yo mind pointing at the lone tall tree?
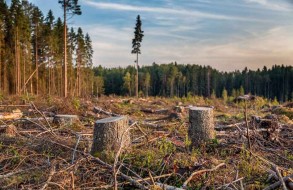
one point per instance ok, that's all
(70, 7)
(138, 35)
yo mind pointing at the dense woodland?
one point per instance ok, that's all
(184, 80)
(31, 62)
(31, 53)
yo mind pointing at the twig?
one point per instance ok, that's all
(154, 177)
(280, 177)
(139, 128)
(52, 172)
(77, 142)
(151, 177)
(100, 110)
(247, 127)
(228, 184)
(72, 180)
(200, 172)
(43, 117)
(241, 185)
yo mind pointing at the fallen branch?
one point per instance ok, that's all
(280, 177)
(99, 161)
(52, 172)
(149, 110)
(277, 184)
(168, 187)
(44, 118)
(77, 142)
(17, 172)
(200, 172)
(100, 110)
(228, 184)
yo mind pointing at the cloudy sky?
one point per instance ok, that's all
(226, 34)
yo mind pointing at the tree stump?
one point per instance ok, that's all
(110, 134)
(201, 125)
(65, 119)
(9, 130)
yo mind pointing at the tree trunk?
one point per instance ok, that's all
(136, 81)
(201, 127)
(65, 50)
(110, 134)
(36, 61)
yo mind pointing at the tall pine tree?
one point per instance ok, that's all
(69, 7)
(136, 44)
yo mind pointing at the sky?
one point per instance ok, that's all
(225, 34)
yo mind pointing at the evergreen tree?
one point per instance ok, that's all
(69, 7)
(37, 20)
(147, 82)
(136, 44)
(127, 83)
(225, 95)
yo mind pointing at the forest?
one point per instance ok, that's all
(170, 80)
(32, 51)
(31, 62)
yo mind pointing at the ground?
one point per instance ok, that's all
(39, 153)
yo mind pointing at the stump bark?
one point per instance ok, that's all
(110, 134)
(201, 125)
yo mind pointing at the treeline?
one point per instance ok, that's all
(178, 80)
(32, 49)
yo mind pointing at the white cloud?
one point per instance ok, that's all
(274, 46)
(161, 10)
(277, 6)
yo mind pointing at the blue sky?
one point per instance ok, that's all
(226, 34)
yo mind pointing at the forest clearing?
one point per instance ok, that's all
(208, 105)
(40, 151)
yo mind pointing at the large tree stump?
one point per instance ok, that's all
(201, 125)
(110, 134)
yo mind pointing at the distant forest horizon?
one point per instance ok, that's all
(181, 80)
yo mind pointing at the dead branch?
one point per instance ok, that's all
(77, 142)
(200, 172)
(280, 177)
(34, 106)
(168, 187)
(19, 171)
(52, 172)
(228, 184)
(277, 184)
(149, 110)
(99, 161)
(100, 110)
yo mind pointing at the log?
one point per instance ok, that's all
(100, 110)
(16, 114)
(201, 125)
(110, 134)
(65, 119)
